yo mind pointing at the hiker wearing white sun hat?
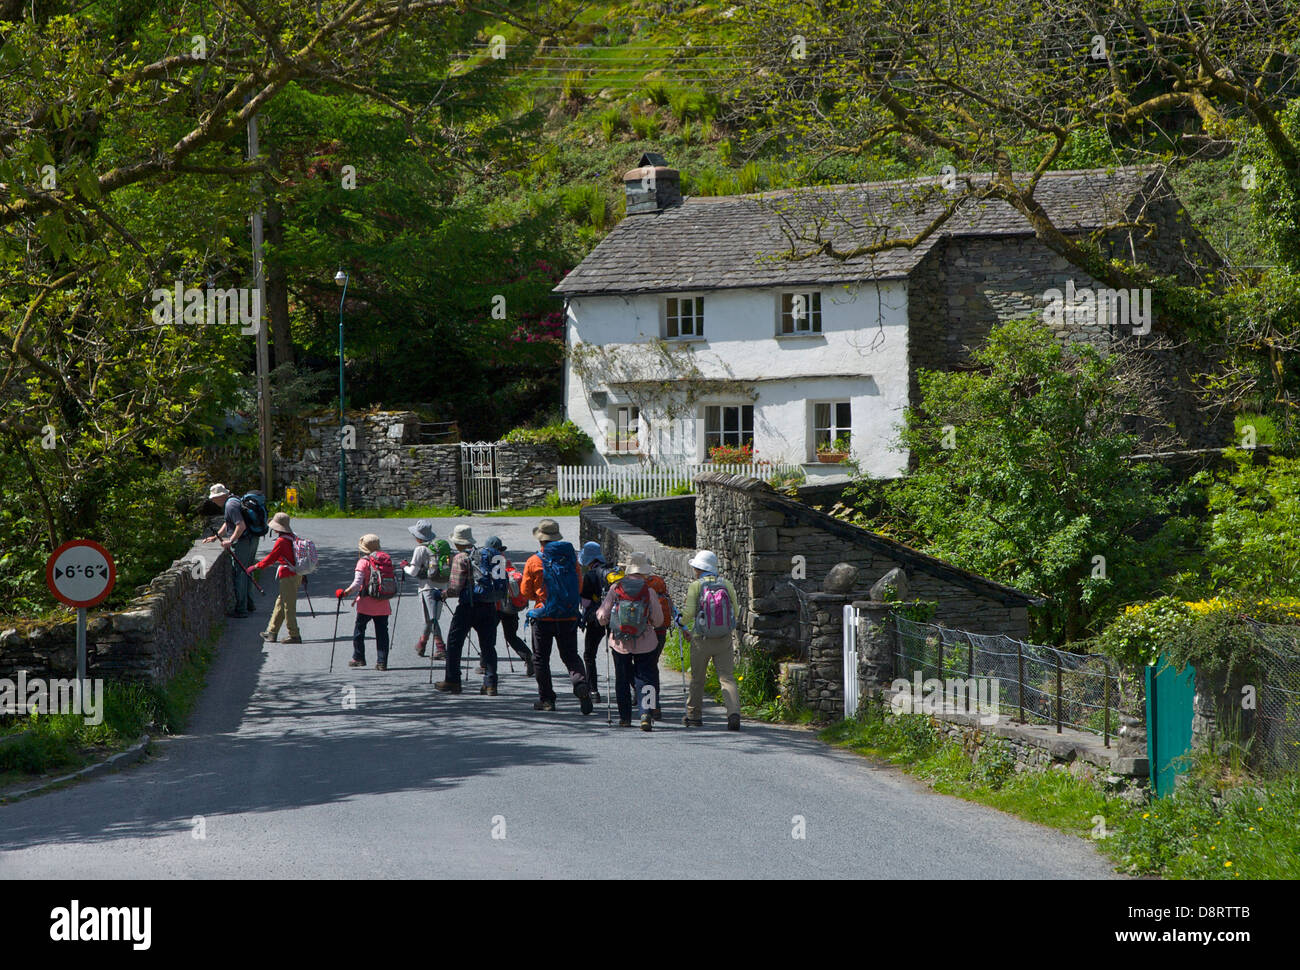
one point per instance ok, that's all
(710, 611)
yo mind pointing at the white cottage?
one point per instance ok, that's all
(691, 326)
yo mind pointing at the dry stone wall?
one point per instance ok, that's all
(147, 641)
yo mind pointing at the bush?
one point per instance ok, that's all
(603, 496)
(570, 442)
(646, 127)
(1213, 634)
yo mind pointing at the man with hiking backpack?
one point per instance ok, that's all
(478, 581)
(552, 580)
(245, 517)
(430, 561)
(710, 611)
(508, 608)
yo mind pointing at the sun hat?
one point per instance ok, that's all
(462, 535)
(368, 542)
(638, 564)
(591, 552)
(705, 561)
(548, 530)
(218, 491)
(422, 530)
(279, 522)
(494, 542)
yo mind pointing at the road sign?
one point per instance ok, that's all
(80, 573)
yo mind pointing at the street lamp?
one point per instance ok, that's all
(341, 278)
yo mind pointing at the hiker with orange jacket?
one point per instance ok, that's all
(553, 580)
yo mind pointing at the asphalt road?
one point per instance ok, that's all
(282, 780)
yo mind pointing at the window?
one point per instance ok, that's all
(685, 316)
(831, 420)
(801, 313)
(625, 431)
(728, 424)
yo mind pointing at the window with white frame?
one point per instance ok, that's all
(731, 425)
(684, 316)
(832, 420)
(801, 313)
(625, 428)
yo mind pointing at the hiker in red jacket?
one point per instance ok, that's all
(286, 602)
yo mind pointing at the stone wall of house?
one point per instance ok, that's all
(146, 641)
(757, 532)
(966, 285)
(388, 467)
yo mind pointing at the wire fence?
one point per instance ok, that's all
(1259, 710)
(1031, 683)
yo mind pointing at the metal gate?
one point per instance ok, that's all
(1170, 695)
(850, 660)
(480, 486)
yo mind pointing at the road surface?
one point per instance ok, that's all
(282, 780)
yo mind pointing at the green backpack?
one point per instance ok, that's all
(440, 562)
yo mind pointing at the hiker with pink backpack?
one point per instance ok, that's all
(376, 583)
(710, 611)
(295, 557)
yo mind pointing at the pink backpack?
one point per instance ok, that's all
(716, 617)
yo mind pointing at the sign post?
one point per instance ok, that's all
(80, 574)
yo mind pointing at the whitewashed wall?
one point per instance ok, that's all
(860, 355)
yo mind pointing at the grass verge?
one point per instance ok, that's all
(34, 744)
(1248, 832)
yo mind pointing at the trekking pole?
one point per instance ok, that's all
(338, 600)
(308, 595)
(400, 584)
(677, 618)
(231, 550)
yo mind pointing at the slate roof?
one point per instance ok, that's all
(739, 241)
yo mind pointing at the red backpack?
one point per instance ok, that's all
(381, 581)
(629, 616)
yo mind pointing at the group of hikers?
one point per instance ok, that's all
(625, 605)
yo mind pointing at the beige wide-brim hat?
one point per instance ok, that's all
(638, 564)
(218, 491)
(368, 542)
(279, 522)
(462, 535)
(548, 530)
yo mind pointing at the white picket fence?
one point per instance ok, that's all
(577, 482)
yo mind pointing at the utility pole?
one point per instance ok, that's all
(263, 353)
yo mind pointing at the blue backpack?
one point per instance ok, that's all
(253, 508)
(560, 576)
(491, 582)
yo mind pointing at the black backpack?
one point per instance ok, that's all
(253, 507)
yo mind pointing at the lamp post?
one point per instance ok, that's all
(341, 278)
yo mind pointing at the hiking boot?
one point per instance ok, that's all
(293, 639)
(381, 666)
(692, 722)
(440, 653)
(733, 722)
(490, 691)
(356, 663)
(647, 722)
(584, 697)
(448, 687)
(419, 646)
(543, 705)
(625, 722)
(268, 637)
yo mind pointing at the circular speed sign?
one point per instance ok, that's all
(80, 573)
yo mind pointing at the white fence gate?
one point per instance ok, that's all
(480, 484)
(576, 482)
(850, 660)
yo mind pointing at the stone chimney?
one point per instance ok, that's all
(653, 186)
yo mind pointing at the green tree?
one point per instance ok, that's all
(1024, 473)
